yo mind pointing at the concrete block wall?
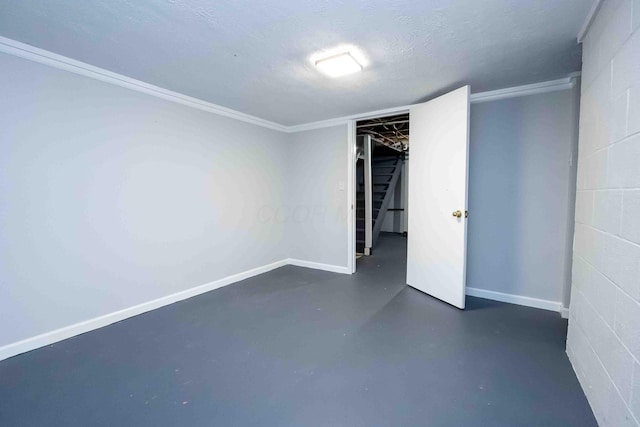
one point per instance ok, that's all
(603, 341)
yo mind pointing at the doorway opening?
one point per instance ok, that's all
(381, 182)
(436, 193)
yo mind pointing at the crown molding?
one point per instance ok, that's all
(45, 57)
(494, 95)
(42, 56)
(345, 119)
(532, 89)
(318, 125)
(591, 16)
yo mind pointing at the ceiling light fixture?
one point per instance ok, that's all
(338, 65)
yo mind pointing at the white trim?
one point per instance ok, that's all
(51, 337)
(319, 266)
(525, 90)
(494, 95)
(66, 332)
(42, 56)
(516, 299)
(317, 125)
(351, 191)
(591, 16)
(346, 119)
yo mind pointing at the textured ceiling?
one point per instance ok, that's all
(253, 56)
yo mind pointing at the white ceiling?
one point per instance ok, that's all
(253, 56)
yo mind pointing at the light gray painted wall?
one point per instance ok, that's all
(519, 194)
(603, 341)
(316, 214)
(110, 198)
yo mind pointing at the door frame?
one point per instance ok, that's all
(351, 176)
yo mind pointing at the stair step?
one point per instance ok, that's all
(361, 218)
(360, 221)
(375, 216)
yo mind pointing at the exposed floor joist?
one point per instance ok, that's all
(391, 131)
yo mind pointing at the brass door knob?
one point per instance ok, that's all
(457, 214)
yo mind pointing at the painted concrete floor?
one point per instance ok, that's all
(299, 347)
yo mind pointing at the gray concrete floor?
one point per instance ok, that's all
(299, 347)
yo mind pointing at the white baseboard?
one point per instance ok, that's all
(47, 338)
(319, 266)
(516, 299)
(54, 336)
(564, 312)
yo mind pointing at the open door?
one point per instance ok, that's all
(437, 238)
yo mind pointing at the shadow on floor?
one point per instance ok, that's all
(299, 347)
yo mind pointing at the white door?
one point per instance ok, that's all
(438, 157)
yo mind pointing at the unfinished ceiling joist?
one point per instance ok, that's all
(390, 131)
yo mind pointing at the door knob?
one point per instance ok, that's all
(457, 214)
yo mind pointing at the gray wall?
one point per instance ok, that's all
(316, 214)
(603, 341)
(110, 198)
(520, 199)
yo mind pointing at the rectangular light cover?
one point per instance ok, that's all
(339, 65)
